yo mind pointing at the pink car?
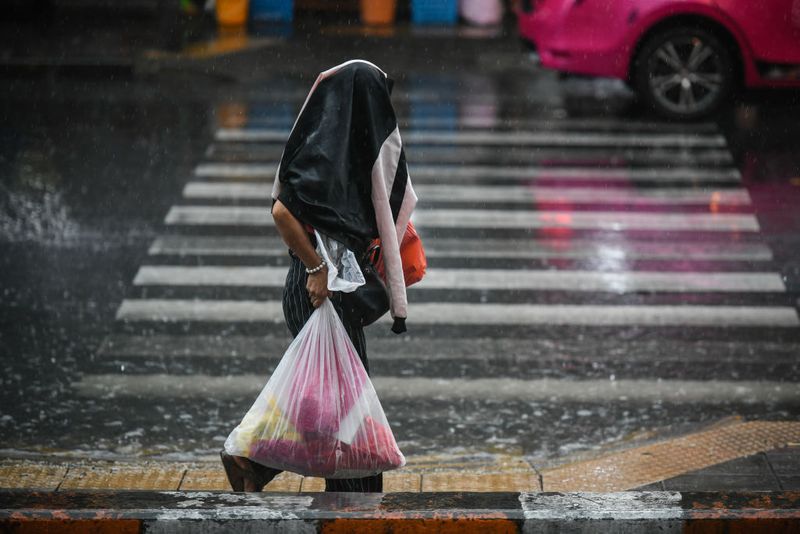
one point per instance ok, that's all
(682, 57)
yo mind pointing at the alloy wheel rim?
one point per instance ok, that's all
(686, 75)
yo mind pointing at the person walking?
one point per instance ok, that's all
(343, 173)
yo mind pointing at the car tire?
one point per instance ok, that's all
(684, 73)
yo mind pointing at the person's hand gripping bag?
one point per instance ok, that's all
(318, 415)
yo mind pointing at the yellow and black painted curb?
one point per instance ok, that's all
(576, 513)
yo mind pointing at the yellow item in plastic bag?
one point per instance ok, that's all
(270, 422)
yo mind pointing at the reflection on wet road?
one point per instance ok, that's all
(588, 278)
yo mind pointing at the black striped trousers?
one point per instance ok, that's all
(297, 309)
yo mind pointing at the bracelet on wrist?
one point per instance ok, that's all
(316, 269)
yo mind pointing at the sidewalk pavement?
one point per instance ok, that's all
(727, 462)
(730, 455)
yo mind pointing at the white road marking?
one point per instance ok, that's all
(396, 388)
(438, 173)
(491, 219)
(236, 170)
(510, 194)
(601, 251)
(584, 220)
(588, 124)
(232, 246)
(231, 311)
(508, 138)
(219, 215)
(547, 351)
(614, 282)
(531, 194)
(490, 279)
(430, 154)
(172, 310)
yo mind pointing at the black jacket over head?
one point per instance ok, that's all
(343, 170)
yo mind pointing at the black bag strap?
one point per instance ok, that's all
(372, 254)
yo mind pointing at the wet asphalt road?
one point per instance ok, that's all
(644, 275)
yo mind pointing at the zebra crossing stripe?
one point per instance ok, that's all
(655, 174)
(206, 346)
(171, 310)
(454, 218)
(397, 388)
(606, 249)
(499, 193)
(584, 220)
(231, 311)
(615, 282)
(441, 172)
(236, 170)
(213, 245)
(280, 100)
(507, 138)
(211, 276)
(227, 190)
(590, 124)
(219, 215)
(488, 248)
(493, 350)
(489, 279)
(512, 155)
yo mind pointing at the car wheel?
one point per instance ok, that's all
(684, 73)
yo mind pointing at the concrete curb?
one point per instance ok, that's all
(211, 512)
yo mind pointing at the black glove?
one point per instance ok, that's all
(399, 325)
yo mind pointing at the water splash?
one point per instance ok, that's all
(32, 208)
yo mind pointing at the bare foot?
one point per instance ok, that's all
(249, 485)
(242, 461)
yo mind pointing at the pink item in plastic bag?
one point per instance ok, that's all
(374, 439)
(318, 415)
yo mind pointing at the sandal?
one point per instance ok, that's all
(259, 474)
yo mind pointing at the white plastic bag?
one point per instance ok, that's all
(319, 414)
(344, 274)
